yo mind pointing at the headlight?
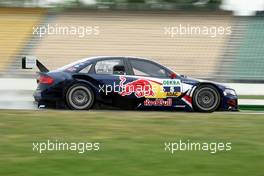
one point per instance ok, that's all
(230, 92)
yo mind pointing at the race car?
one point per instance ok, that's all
(126, 83)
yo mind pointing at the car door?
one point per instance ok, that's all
(112, 81)
(154, 82)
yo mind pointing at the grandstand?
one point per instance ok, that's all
(243, 58)
(141, 33)
(137, 34)
(249, 61)
(16, 29)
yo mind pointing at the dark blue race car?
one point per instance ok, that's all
(127, 83)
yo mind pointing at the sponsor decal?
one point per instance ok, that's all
(158, 102)
(172, 87)
(140, 87)
(75, 67)
(171, 82)
(173, 94)
(179, 106)
(143, 87)
(71, 69)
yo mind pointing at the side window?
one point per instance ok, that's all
(144, 68)
(86, 69)
(106, 66)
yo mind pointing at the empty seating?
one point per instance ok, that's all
(249, 57)
(138, 34)
(15, 30)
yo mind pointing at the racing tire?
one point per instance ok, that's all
(206, 98)
(80, 97)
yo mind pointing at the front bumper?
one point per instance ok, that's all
(230, 103)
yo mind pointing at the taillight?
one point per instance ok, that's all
(45, 80)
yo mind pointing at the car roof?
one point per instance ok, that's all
(97, 58)
(94, 58)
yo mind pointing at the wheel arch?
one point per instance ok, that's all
(75, 85)
(78, 80)
(215, 86)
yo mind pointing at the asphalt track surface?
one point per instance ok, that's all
(17, 100)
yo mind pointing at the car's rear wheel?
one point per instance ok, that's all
(80, 97)
(206, 98)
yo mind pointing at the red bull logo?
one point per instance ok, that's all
(158, 102)
(140, 87)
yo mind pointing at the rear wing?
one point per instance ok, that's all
(30, 62)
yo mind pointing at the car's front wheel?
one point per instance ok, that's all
(80, 97)
(206, 98)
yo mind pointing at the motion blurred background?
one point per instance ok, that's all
(132, 143)
(135, 27)
(138, 28)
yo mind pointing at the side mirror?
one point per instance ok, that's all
(119, 69)
(173, 75)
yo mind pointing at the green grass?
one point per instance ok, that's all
(132, 143)
(258, 97)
